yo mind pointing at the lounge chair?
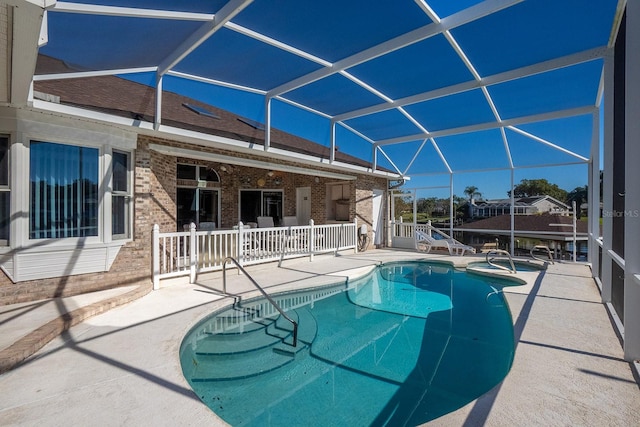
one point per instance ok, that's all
(423, 240)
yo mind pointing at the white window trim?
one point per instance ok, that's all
(128, 195)
(30, 259)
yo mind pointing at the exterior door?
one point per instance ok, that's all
(303, 205)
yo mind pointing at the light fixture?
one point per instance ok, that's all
(316, 179)
(223, 168)
(270, 174)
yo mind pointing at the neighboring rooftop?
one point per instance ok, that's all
(528, 224)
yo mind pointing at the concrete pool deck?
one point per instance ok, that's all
(121, 367)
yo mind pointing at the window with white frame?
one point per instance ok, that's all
(120, 195)
(63, 184)
(5, 194)
(65, 190)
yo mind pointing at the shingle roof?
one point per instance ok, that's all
(105, 94)
(528, 223)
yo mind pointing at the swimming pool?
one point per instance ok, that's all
(404, 345)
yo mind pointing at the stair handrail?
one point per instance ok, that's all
(500, 252)
(541, 248)
(277, 307)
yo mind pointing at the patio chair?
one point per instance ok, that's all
(290, 221)
(423, 240)
(265, 222)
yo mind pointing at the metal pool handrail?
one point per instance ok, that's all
(277, 307)
(541, 248)
(501, 252)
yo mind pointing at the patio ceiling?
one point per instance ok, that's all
(430, 86)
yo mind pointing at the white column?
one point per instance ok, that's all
(451, 204)
(332, 153)
(594, 196)
(158, 118)
(632, 190)
(193, 261)
(155, 254)
(267, 124)
(513, 210)
(607, 184)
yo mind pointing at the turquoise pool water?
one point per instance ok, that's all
(408, 343)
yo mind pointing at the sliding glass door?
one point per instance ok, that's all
(255, 203)
(197, 205)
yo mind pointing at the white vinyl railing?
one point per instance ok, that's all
(192, 252)
(406, 230)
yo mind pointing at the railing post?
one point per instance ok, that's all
(193, 256)
(240, 249)
(312, 239)
(355, 235)
(155, 256)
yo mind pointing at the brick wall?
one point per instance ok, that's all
(154, 200)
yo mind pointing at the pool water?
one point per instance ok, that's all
(407, 344)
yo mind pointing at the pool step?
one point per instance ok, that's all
(261, 334)
(237, 320)
(230, 357)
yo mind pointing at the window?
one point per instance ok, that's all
(196, 203)
(255, 203)
(186, 172)
(120, 196)
(5, 206)
(197, 173)
(63, 191)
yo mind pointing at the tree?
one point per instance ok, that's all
(579, 195)
(538, 187)
(472, 192)
(403, 203)
(426, 206)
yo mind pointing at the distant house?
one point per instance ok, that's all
(522, 206)
(552, 230)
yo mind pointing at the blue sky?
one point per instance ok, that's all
(513, 38)
(492, 184)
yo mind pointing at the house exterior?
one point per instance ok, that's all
(522, 206)
(85, 176)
